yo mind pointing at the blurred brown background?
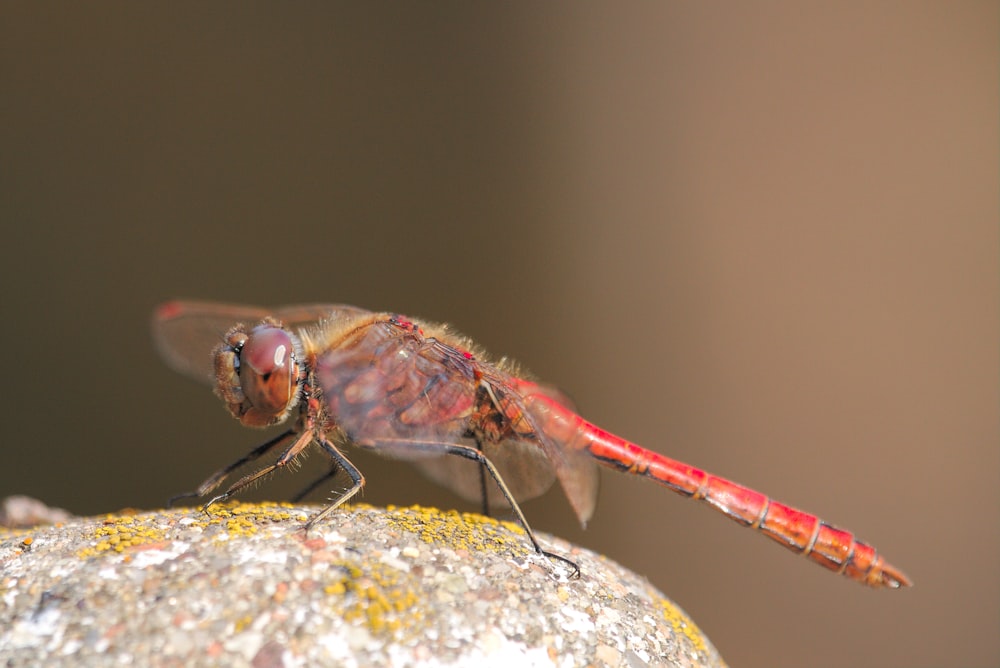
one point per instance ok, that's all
(761, 238)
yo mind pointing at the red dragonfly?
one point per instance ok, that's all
(417, 391)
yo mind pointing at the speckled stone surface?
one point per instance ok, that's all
(368, 587)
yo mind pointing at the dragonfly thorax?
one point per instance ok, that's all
(258, 373)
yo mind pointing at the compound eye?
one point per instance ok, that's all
(269, 371)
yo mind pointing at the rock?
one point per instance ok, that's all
(22, 512)
(388, 587)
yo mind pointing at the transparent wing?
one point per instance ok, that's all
(186, 332)
(522, 466)
(405, 396)
(558, 427)
(529, 404)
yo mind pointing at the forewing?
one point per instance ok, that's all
(186, 332)
(296, 316)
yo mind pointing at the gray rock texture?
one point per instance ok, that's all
(245, 586)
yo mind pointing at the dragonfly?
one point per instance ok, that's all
(417, 391)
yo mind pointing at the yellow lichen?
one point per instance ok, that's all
(118, 533)
(387, 600)
(682, 624)
(242, 623)
(466, 531)
(244, 519)
(382, 598)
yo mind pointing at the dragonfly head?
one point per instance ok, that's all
(258, 373)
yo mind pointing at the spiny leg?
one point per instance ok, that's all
(485, 464)
(331, 473)
(476, 455)
(482, 483)
(339, 460)
(288, 455)
(216, 478)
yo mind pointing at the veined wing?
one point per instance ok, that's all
(522, 465)
(531, 459)
(529, 403)
(186, 332)
(390, 387)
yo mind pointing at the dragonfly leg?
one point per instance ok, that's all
(331, 473)
(486, 465)
(287, 456)
(482, 483)
(339, 461)
(216, 478)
